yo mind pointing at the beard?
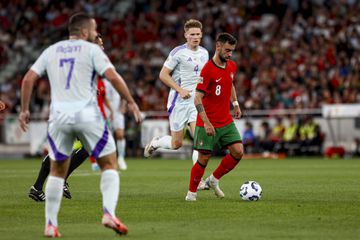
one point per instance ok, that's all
(222, 59)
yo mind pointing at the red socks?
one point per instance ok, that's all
(92, 159)
(226, 165)
(197, 172)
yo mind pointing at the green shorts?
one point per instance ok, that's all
(224, 137)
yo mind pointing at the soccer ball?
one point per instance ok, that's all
(250, 191)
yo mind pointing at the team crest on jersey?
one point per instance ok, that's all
(201, 143)
(232, 76)
(200, 80)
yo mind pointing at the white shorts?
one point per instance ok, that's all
(95, 137)
(118, 121)
(180, 115)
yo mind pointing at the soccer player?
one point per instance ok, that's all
(117, 122)
(180, 72)
(79, 154)
(71, 66)
(214, 124)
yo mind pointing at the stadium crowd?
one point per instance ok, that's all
(291, 54)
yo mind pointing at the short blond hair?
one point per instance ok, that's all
(192, 23)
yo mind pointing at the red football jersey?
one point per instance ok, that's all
(101, 95)
(216, 84)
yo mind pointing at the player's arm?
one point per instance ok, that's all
(235, 103)
(119, 84)
(209, 128)
(165, 77)
(26, 90)
(123, 107)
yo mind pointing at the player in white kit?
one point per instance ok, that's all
(117, 122)
(181, 72)
(71, 66)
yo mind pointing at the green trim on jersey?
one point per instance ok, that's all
(224, 136)
(201, 91)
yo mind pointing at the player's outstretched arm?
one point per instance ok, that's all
(209, 128)
(26, 90)
(235, 103)
(165, 77)
(119, 84)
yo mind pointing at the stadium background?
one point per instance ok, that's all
(293, 57)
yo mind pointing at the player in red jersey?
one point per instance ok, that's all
(214, 92)
(102, 102)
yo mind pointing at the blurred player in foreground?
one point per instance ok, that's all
(71, 66)
(79, 154)
(214, 92)
(180, 72)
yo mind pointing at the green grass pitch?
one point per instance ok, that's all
(302, 199)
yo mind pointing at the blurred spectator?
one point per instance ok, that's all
(265, 141)
(290, 143)
(291, 54)
(311, 137)
(248, 138)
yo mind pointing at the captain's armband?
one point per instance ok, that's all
(199, 108)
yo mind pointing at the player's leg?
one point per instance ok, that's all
(94, 166)
(195, 155)
(228, 137)
(205, 145)
(80, 157)
(121, 147)
(119, 132)
(98, 140)
(36, 191)
(192, 122)
(77, 158)
(196, 174)
(60, 142)
(177, 119)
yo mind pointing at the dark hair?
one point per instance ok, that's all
(77, 22)
(226, 38)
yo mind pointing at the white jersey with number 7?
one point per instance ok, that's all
(71, 66)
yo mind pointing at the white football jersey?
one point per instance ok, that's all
(186, 65)
(71, 66)
(113, 96)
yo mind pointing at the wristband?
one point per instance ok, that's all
(235, 103)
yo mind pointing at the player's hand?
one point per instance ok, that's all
(237, 112)
(209, 128)
(133, 107)
(185, 94)
(24, 119)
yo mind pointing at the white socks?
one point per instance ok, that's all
(53, 193)
(195, 156)
(121, 144)
(163, 142)
(110, 187)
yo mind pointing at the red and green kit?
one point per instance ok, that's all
(216, 84)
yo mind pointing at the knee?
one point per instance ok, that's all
(238, 154)
(176, 144)
(119, 135)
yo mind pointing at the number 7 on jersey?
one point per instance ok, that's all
(71, 61)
